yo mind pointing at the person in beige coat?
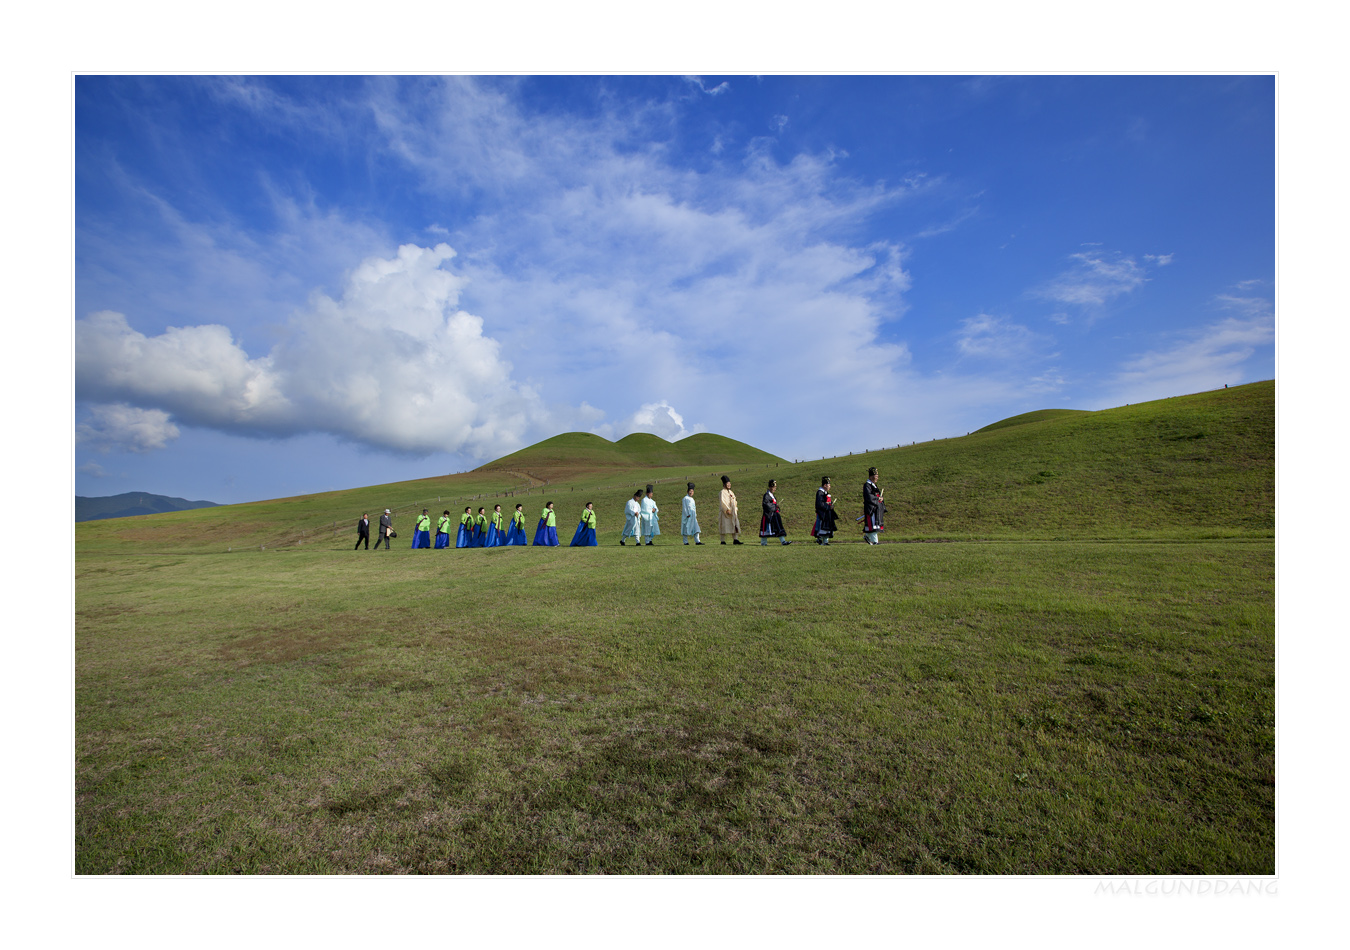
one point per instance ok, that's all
(728, 521)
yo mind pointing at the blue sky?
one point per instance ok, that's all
(296, 284)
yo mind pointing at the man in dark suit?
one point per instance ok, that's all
(386, 526)
(363, 532)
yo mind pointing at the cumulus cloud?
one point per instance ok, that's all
(124, 428)
(658, 418)
(393, 363)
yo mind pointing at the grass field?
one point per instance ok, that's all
(1079, 680)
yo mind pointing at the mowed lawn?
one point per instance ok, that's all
(1054, 707)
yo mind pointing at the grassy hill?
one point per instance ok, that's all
(575, 452)
(1088, 689)
(1190, 466)
(1038, 416)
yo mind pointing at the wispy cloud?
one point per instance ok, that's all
(703, 87)
(1093, 279)
(996, 338)
(1202, 359)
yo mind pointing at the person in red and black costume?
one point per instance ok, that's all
(874, 509)
(826, 521)
(771, 522)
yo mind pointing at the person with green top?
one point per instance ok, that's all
(585, 536)
(494, 535)
(515, 534)
(480, 529)
(464, 538)
(422, 536)
(547, 532)
(443, 530)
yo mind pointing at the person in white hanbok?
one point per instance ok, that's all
(651, 524)
(632, 518)
(689, 517)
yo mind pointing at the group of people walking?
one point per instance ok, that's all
(642, 523)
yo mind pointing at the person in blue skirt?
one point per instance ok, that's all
(480, 529)
(464, 539)
(443, 530)
(515, 533)
(494, 536)
(422, 536)
(585, 536)
(547, 532)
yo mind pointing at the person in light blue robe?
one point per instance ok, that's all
(651, 525)
(689, 517)
(632, 513)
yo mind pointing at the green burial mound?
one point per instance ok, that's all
(1040, 415)
(584, 451)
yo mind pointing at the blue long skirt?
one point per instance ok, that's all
(480, 537)
(463, 539)
(515, 535)
(546, 536)
(494, 537)
(442, 540)
(421, 539)
(584, 538)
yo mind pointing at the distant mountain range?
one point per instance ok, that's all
(132, 503)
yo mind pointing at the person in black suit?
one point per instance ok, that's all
(363, 532)
(386, 526)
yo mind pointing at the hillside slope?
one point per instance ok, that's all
(1189, 467)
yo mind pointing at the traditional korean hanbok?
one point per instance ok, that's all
(515, 533)
(422, 536)
(632, 520)
(442, 532)
(494, 536)
(689, 519)
(826, 520)
(874, 512)
(651, 526)
(464, 539)
(480, 531)
(546, 534)
(771, 521)
(728, 516)
(585, 536)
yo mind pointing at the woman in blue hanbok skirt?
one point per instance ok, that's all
(464, 538)
(443, 531)
(515, 532)
(494, 535)
(422, 536)
(585, 536)
(546, 534)
(480, 531)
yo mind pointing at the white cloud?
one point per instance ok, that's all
(123, 428)
(994, 338)
(1204, 359)
(703, 87)
(92, 469)
(1093, 279)
(1162, 260)
(658, 418)
(392, 363)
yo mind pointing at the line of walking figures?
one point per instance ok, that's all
(642, 522)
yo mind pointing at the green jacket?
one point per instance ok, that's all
(549, 518)
(443, 525)
(424, 523)
(588, 516)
